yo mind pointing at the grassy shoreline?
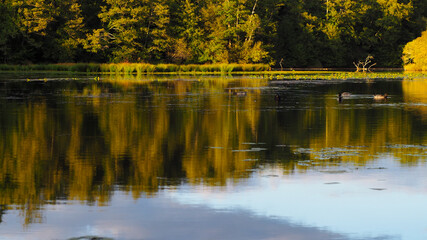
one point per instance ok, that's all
(146, 68)
(136, 68)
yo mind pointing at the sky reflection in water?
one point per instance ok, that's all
(360, 203)
(269, 205)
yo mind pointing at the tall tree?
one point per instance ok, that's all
(132, 30)
(8, 30)
(32, 19)
(123, 23)
(231, 27)
(299, 40)
(189, 33)
(158, 37)
(47, 30)
(350, 24)
(392, 34)
(71, 32)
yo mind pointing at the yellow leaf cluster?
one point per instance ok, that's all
(415, 54)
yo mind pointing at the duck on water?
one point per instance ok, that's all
(342, 95)
(380, 96)
(241, 93)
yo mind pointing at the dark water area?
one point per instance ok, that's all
(212, 157)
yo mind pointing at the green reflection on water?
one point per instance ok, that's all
(81, 140)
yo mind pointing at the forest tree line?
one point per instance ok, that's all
(289, 33)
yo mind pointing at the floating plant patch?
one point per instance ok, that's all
(250, 150)
(330, 153)
(250, 160)
(334, 171)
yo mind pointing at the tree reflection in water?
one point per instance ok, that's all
(82, 140)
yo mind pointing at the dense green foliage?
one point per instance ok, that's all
(294, 33)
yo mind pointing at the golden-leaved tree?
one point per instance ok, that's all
(415, 54)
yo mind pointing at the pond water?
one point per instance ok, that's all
(212, 157)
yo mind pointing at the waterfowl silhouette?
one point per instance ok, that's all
(241, 93)
(380, 96)
(342, 95)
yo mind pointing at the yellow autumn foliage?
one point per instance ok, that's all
(415, 54)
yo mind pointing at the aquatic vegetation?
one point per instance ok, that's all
(256, 71)
(334, 75)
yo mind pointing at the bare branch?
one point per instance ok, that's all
(364, 65)
(369, 68)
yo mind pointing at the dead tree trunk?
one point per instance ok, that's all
(366, 65)
(280, 63)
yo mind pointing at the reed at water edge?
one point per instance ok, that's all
(137, 68)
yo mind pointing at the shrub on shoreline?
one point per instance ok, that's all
(415, 54)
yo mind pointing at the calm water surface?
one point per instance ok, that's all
(180, 157)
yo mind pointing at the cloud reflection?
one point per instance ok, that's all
(269, 205)
(159, 218)
(350, 207)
